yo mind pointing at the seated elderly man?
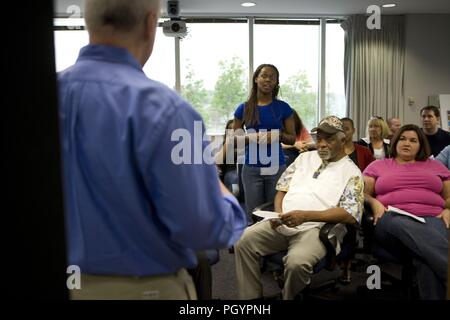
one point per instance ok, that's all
(320, 186)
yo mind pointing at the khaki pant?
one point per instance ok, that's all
(178, 286)
(304, 251)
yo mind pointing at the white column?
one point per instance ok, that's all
(177, 65)
(251, 22)
(322, 69)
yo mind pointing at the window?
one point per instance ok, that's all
(335, 92)
(214, 70)
(161, 64)
(214, 64)
(67, 47)
(293, 47)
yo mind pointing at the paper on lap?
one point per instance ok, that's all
(266, 214)
(405, 213)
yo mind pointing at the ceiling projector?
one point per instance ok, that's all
(174, 28)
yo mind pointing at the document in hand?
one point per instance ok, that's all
(266, 214)
(405, 213)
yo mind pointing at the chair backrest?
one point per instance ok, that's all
(241, 196)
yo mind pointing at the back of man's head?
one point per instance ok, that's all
(120, 15)
(392, 119)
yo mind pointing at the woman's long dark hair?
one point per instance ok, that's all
(229, 122)
(298, 123)
(251, 114)
(424, 151)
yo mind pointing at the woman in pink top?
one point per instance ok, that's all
(412, 182)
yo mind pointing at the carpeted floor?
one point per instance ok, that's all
(224, 279)
(225, 288)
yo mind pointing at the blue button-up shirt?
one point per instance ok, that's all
(130, 210)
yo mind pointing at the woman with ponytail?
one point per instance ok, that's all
(267, 122)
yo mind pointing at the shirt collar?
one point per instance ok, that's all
(108, 53)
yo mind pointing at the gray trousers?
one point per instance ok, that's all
(304, 251)
(178, 286)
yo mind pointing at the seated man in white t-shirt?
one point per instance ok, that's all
(319, 187)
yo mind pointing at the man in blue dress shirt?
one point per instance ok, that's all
(134, 217)
(444, 156)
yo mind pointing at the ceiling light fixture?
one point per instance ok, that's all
(248, 4)
(389, 5)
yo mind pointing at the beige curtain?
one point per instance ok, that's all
(374, 69)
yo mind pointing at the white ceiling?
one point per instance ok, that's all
(287, 8)
(306, 7)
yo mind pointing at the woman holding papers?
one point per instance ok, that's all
(411, 182)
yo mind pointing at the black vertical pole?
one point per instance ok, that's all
(33, 204)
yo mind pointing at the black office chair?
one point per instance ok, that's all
(274, 263)
(397, 271)
(202, 273)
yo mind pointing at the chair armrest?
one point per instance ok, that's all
(330, 256)
(212, 255)
(368, 229)
(367, 217)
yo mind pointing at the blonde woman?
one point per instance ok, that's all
(376, 140)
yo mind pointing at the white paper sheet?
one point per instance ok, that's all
(406, 213)
(266, 214)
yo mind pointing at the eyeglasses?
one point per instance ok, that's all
(376, 117)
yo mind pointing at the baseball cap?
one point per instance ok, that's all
(330, 125)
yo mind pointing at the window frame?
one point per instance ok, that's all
(68, 24)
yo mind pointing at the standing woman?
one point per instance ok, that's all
(377, 141)
(263, 111)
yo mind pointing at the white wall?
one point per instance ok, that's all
(427, 61)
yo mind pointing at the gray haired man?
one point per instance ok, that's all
(320, 186)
